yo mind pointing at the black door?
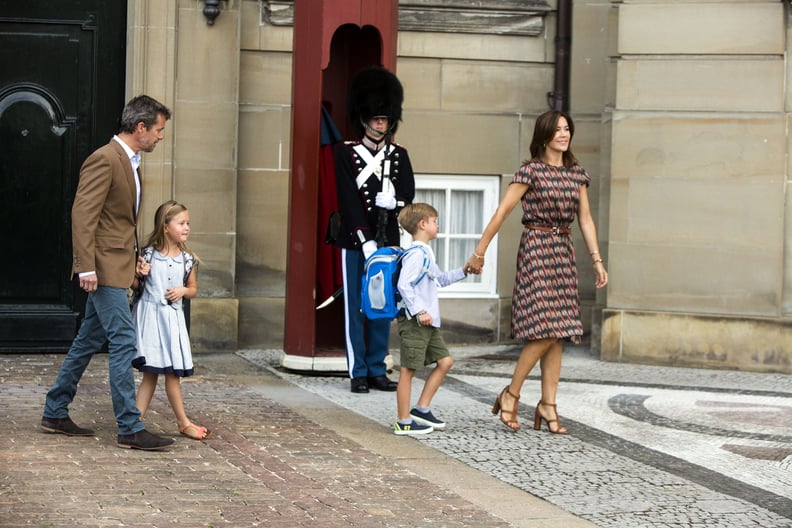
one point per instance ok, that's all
(62, 66)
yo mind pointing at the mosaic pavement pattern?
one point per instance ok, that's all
(648, 446)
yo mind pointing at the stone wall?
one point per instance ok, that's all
(682, 118)
(470, 100)
(194, 70)
(697, 239)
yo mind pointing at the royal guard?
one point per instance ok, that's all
(374, 180)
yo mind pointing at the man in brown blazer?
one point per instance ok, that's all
(104, 244)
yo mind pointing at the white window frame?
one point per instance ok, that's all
(490, 186)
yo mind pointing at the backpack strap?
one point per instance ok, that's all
(424, 267)
(148, 254)
(187, 259)
(189, 263)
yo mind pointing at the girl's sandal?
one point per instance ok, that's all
(508, 417)
(196, 432)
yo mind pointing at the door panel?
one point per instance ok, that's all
(61, 91)
(35, 163)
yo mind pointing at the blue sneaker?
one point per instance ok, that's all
(411, 429)
(427, 418)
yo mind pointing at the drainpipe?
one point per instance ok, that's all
(558, 99)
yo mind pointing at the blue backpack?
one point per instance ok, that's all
(380, 297)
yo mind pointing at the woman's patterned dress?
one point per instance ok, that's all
(546, 301)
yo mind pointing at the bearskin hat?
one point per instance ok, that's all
(374, 92)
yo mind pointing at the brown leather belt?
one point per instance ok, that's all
(557, 230)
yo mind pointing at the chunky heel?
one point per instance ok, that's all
(559, 429)
(511, 420)
(537, 418)
(497, 406)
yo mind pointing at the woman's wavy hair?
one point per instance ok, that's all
(545, 129)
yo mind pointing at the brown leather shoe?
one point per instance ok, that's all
(64, 426)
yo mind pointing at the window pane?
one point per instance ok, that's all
(438, 247)
(466, 212)
(461, 249)
(434, 197)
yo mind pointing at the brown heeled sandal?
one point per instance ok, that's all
(560, 429)
(511, 423)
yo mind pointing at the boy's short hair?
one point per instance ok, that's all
(414, 213)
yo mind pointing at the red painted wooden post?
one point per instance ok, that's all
(315, 24)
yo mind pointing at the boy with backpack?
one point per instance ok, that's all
(419, 322)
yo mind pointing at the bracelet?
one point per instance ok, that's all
(596, 261)
(480, 257)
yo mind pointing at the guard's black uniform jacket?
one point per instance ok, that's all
(356, 199)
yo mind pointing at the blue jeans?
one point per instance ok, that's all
(107, 318)
(364, 359)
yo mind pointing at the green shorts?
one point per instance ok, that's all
(420, 345)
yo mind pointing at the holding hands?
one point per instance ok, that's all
(142, 268)
(474, 264)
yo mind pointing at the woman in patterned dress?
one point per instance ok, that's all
(552, 187)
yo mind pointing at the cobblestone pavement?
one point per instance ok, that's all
(648, 446)
(279, 455)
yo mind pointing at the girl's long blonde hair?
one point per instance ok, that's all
(162, 217)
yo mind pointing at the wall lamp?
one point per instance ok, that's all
(211, 10)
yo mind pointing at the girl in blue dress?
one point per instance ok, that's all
(166, 274)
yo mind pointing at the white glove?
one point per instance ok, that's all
(369, 248)
(385, 200)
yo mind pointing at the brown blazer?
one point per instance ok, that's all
(104, 219)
